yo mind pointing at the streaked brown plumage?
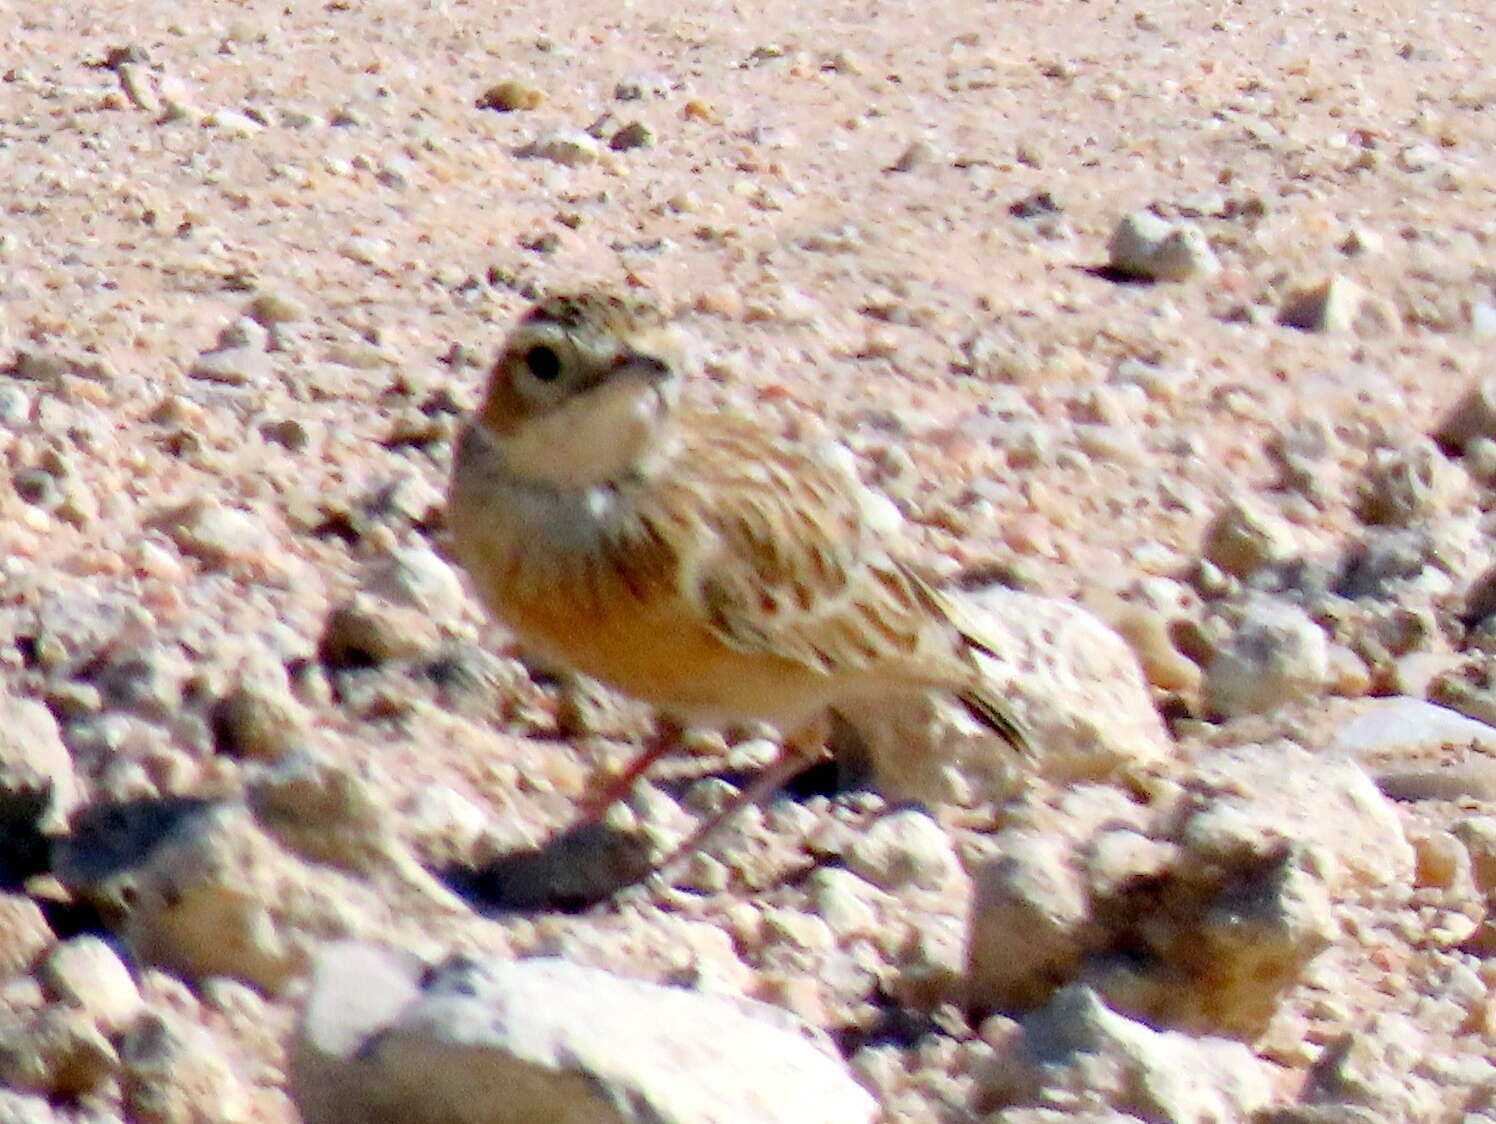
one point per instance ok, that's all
(691, 559)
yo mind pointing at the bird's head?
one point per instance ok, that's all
(583, 390)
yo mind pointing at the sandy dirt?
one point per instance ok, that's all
(884, 222)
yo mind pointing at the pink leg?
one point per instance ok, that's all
(799, 751)
(664, 740)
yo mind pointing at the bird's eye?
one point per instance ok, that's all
(543, 362)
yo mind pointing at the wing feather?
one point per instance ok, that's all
(787, 565)
(790, 566)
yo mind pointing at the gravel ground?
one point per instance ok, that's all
(254, 258)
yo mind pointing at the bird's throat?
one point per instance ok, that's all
(605, 434)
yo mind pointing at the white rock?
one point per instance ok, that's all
(35, 767)
(178, 1073)
(1362, 241)
(365, 250)
(1444, 863)
(260, 718)
(498, 1042)
(1144, 245)
(1241, 860)
(1478, 834)
(1321, 801)
(1378, 1067)
(905, 849)
(24, 934)
(1382, 725)
(419, 577)
(1472, 416)
(213, 893)
(1028, 921)
(18, 1108)
(86, 972)
(1077, 1050)
(232, 121)
(1410, 485)
(273, 306)
(1245, 536)
(1070, 682)
(327, 813)
(848, 904)
(569, 147)
(1121, 857)
(1276, 656)
(218, 536)
(1335, 304)
(244, 331)
(57, 1051)
(15, 405)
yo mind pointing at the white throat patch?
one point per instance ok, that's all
(596, 436)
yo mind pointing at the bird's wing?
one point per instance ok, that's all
(790, 566)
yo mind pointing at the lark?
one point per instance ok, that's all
(690, 558)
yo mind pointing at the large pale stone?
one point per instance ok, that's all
(37, 783)
(177, 1073)
(1077, 1052)
(1197, 910)
(1073, 684)
(86, 972)
(1282, 792)
(249, 891)
(1383, 725)
(1276, 656)
(503, 1042)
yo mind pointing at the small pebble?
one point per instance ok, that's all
(1145, 246)
(1362, 242)
(86, 972)
(259, 720)
(1335, 305)
(15, 405)
(243, 332)
(919, 154)
(234, 366)
(365, 250)
(633, 135)
(568, 147)
(510, 95)
(38, 488)
(24, 934)
(902, 850)
(1473, 415)
(217, 536)
(368, 631)
(275, 306)
(1245, 536)
(637, 87)
(232, 122)
(1276, 656)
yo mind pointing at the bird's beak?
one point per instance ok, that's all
(648, 368)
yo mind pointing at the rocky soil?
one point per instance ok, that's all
(1179, 312)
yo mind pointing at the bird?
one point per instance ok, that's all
(688, 557)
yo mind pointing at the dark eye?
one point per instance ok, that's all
(543, 363)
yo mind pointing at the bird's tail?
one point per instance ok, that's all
(992, 714)
(980, 700)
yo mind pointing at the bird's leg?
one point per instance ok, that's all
(801, 749)
(664, 739)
